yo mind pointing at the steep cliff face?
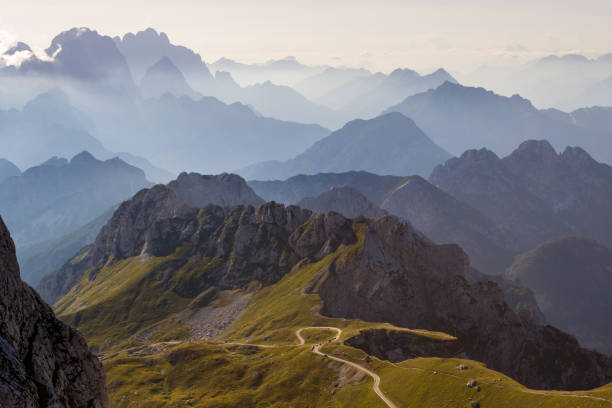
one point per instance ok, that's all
(151, 224)
(402, 278)
(43, 362)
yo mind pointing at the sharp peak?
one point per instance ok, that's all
(393, 115)
(84, 158)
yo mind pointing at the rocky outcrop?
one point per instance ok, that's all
(401, 277)
(152, 223)
(344, 200)
(43, 362)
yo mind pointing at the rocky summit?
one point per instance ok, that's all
(43, 362)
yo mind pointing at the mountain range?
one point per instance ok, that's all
(475, 117)
(390, 145)
(50, 200)
(565, 82)
(254, 274)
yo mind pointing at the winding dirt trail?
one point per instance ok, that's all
(317, 350)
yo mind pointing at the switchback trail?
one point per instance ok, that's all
(317, 350)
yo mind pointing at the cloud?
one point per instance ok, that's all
(8, 41)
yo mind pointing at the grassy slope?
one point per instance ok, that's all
(219, 374)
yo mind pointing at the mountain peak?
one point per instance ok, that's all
(83, 158)
(165, 77)
(536, 150)
(197, 190)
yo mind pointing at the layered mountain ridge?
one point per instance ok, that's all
(201, 252)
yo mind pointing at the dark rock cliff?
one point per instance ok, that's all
(402, 278)
(43, 362)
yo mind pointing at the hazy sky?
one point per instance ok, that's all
(379, 34)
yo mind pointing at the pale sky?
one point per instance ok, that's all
(459, 35)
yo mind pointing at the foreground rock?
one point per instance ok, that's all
(43, 362)
(138, 222)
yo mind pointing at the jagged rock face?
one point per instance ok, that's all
(482, 180)
(259, 243)
(155, 221)
(197, 190)
(402, 278)
(445, 219)
(43, 362)
(210, 249)
(344, 200)
(576, 265)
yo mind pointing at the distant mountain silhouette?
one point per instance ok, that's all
(368, 96)
(163, 77)
(57, 197)
(344, 200)
(146, 48)
(572, 183)
(571, 279)
(7, 170)
(562, 82)
(47, 125)
(445, 220)
(534, 194)
(599, 93)
(314, 87)
(460, 118)
(389, 144)
(286, 71)
(482, 180)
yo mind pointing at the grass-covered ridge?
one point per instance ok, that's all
(258, 361)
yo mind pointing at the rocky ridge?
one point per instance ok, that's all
(43, 362)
